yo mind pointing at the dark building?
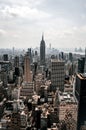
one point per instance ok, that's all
(16, 61)
(71, 57)
(2, 106)
(85, 62)
(29, 104)
(15, 121)
(29, 53)
(37, 119)
(3, 75)
(81, 63)
(80, 93)
(62, 55)
(5, 57)
(35, 68)
(42, 51)
(17, 72)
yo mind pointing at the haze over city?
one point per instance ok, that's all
(22, 23)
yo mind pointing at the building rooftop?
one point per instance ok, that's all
(82, 76)
(66, 98)
(57, 60)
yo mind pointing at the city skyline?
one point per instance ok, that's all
(22, 23)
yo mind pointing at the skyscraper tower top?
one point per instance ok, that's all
(85, 62)
(42, 37)
(42, 51)
(42, 41)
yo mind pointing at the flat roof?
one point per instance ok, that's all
(66, 97)
(57, 60)
(82, 76)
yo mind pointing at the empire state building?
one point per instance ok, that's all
(42, 51)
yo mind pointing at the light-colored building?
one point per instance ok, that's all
(15, 94)
(57, 74)
(38, 82)
(27, 90)
(27, 70)
(67, 103)
(23, 120)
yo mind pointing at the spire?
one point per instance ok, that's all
(42, 36)
(85, 62)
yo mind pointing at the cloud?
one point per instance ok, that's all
(62, 21)
(2, 32)
(24, 12)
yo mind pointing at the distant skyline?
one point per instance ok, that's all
(22, 23)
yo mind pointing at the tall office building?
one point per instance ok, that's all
(35, 62)
(81, 63)
(15, 121)
(85, 62)
(71, 57)
(16, 61)
(29, 53)
(16, 65)
(37, 118)
(80, 93)
(27, 70)
(27, 88)
(42, 51)
(57, 74)
(5, 57)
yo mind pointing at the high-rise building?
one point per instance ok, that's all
(27, 90)
(3, 75)
(23, 120)
(80, 93)
(81, 63)
(85, 62)
(35, 62)
(37, 118)
(67, 103)
(29, 53)
(16, 65)
(16, 61)
(5, 57)
(57, 74)
(71, 57)
(42, 51)
(15, 121)
(27, 70)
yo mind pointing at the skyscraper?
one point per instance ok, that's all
(80, 93)
(27, 70)
(57, 74)
(81, 63)
(5, 57)
(16, 61)
(16, 65)
(29, 53)
(70, 56)
(42, 51)
(85, 62)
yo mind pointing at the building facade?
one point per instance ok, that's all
(85, 62)
(27, 70)
(57, 74)
(80, 93)
(42, 51)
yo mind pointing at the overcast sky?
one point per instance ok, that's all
(22, 23)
